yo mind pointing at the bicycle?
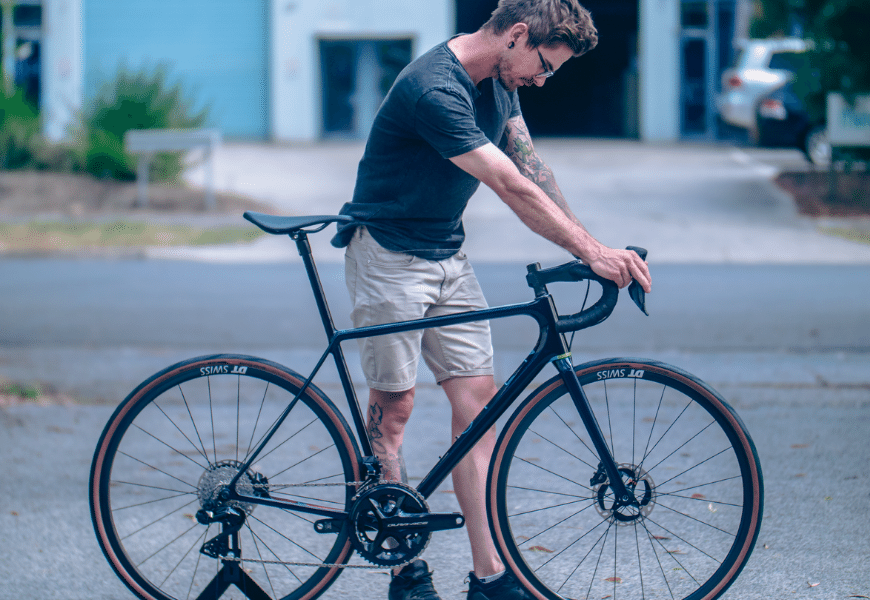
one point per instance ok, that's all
(230, 472)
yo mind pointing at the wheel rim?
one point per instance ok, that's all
(690, 532)
(168, 460)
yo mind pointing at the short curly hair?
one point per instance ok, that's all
(550, 22)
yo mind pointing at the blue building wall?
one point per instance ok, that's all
(218, 49)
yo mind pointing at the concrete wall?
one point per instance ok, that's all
(659, 69)
(62, 66)
(298, 24)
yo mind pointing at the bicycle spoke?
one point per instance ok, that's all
(643, 460)
(263, 457)
(256, 423)
(296, 464)
(174, 424)
(156, 469)
(286, 538)
(211, 412)
(278, 558)
(153, 487)
(591, 451)
(196, 566)
(684, 540)
(120, 508)
(683, 445)
(179, 452)
(719, 502)
(192, 546)
(694, 519)
(553, 473)
(238, 412)
(172, 512)
(609, 422)
(260, 555)
(693, 487)
(544, 508)
(167, 544)
(193, 421)
(519, 487)
(646, 450)
(633, 418)
(639, 563)
(650, 536)
(694, 466)
(600, 554)
(571, 516)
(564, 450)
(673, 557)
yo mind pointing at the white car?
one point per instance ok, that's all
(761, 66)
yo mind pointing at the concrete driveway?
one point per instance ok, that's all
(686, 202)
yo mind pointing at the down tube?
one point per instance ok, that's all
(489, 414)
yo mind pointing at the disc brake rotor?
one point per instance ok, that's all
(639, 484)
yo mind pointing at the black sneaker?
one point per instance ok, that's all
(505, 587)
(414, 582)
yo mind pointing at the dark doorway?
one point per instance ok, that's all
(357, 74)
(595, 95)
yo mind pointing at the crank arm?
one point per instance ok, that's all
(427, 521)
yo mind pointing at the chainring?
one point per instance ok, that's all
(378, 542)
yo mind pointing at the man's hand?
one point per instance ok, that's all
(621, 266)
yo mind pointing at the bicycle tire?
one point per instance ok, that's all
(698, 484)
(170, 444)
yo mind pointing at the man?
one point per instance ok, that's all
(451, 120)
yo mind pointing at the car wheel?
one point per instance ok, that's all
(817, 147)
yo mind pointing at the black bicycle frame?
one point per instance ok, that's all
(550, 347)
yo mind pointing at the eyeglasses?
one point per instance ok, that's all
(547, 72)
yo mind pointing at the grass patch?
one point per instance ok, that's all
(853, 235)
(50, 236)
(21, 391)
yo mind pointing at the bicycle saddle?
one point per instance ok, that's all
(279, 225)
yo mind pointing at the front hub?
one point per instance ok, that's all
(639, 505)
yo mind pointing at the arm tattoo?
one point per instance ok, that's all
(516, 143)
(392, 465)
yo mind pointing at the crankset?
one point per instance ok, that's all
(391, 524)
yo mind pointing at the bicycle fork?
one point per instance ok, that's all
(607, 467)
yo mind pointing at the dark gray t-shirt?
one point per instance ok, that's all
(408, 194)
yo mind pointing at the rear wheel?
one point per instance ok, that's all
(681, 450)
(177, 440)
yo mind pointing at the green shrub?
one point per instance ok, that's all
(19, 131)
(141, 99)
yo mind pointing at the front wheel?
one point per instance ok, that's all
(173, 445)
(681, 450)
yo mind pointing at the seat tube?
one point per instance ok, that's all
(581, 402)
(329, 327)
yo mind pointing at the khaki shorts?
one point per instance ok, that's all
(386, 287)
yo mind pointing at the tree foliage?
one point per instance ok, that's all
(139, 99)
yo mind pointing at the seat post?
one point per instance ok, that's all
(304, 248)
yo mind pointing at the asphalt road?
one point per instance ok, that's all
(786, 345)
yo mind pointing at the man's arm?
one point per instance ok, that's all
(516, 143)
(547, 218)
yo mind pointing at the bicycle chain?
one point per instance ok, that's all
(303, 564)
